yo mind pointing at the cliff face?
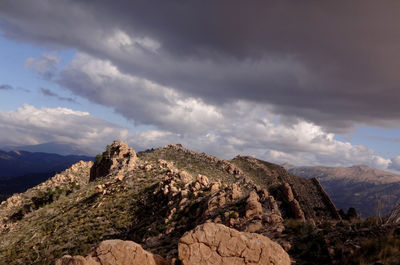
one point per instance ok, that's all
(312, 199)
(370, 191)
(153, 198)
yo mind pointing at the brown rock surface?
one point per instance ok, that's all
(293, 203)
(118, 156)
(115, 252)
(253, 206)
(212, 243)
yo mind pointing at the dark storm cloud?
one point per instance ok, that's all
(49, 93)
(334, 63)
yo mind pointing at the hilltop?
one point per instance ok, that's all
(165, 200)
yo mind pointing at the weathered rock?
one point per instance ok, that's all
(203, 180)
(394, 216)
(253, 206)
(294, 204)
(185, 177)
(287, 192)
(236, 192)
(296, 210)
(115, 252)
(215, 186)
(222, 197)
(117, 156)
(212, 243)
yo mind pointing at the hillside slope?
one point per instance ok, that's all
(21, 170)
(153, 198)
(369, 190)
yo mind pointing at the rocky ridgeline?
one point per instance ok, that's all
(299, 198)
(188, 201)
(207, 244)
(233, 209)
(216, 162)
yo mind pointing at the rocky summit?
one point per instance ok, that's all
(174, 206)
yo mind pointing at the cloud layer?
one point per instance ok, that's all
(31, 125)
(327, 63)
(224, 130)
(272, 79)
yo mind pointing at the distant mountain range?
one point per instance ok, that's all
(17, 163)
(60, 148)
(20, 170)
(369, 190)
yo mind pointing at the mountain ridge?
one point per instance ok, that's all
(60, 148)
(371, 191)
(155, 198)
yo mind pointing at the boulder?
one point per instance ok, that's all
(212, 243)
(115, 252)
(253, 206)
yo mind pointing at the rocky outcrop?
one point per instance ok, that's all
(212, 243)
(253, 206)
(207, 244)
(294, 205)
(305, 197)
(326, 199)
(115, 252)
(118, 156)
(394, 216)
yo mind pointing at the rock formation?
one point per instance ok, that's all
(153, 198)
(115, 252)
(207, 244)
(118, 156)
(216, 244)
(295, 208)
(394, 216)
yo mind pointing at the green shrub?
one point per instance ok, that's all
(98, 159)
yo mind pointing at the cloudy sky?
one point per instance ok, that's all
(310, 83)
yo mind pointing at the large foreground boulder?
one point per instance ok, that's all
(115, 252)
(216, 244)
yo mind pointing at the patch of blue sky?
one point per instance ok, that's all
(384, 141)
(27, 84)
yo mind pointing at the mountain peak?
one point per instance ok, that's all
(117, 156)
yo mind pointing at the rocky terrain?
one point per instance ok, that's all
(174, 206)
(371, 191)
(21, 170)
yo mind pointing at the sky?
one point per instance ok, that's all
(310, 83)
